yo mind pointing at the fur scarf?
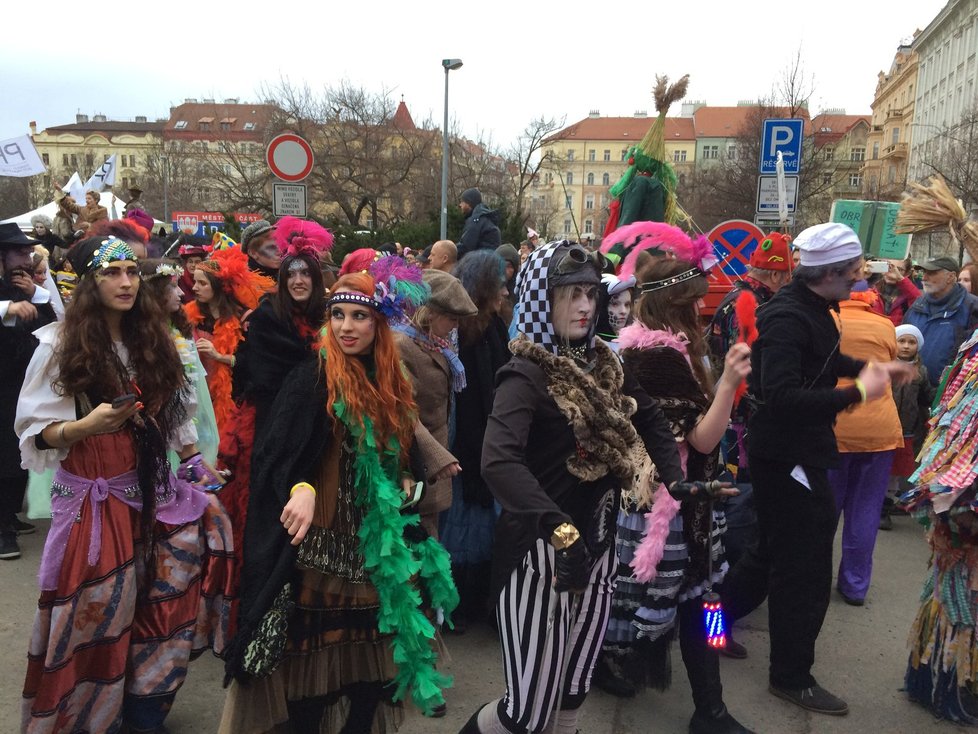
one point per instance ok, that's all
(596, 409)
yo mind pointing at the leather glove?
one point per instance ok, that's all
(697, 491)
(571, 567)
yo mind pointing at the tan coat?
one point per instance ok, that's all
(431, 377)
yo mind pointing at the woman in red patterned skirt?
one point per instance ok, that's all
(134, 576)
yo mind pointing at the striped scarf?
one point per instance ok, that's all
(432, 343)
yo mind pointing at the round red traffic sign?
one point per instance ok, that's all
(289, 157)
(733, 242)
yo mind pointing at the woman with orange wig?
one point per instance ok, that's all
(225, 291)
(338, 563)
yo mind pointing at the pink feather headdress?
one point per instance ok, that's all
(637, 237)
(296, 236)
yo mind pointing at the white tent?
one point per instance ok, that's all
(115, 212)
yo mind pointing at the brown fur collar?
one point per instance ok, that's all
(596, 409)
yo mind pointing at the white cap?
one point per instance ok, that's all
(828, 243)
(911, 330)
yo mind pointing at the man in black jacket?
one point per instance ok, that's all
(481, 228)
(796, 362)
(24, 307)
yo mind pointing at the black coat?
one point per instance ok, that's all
(17, 345)
(796, 364)
(481, 231)
(527, 443)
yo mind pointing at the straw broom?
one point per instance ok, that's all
(932, 207)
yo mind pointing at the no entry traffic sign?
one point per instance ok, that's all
(733, 242)
(289, 157)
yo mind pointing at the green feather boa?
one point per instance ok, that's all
(392, 563)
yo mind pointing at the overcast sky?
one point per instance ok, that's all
(521, 59)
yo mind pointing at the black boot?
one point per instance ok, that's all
(719, 722)
(306, 714)
(703, 669)
(364, 699)
(610, 676)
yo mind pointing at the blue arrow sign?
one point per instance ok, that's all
(785, 136)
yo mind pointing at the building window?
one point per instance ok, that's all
(64, 159)
(682, 179)
(125, 182)
(567, 226)
(569, 202)
(74, 160)
(549, 179)
(589, 201)
(605, 179)
(731, 151)
(588, 226)
(180, 125)
(590, 179)
(590, 154)
(896, 135)
(249, 127)
(607, 155)
(828, 154)
(711, 151)
(857, 154)
(226, 127)
(570, 155)
(679, 156)
(826, 179)
(891, 174)
(624, 154)
(44, 157)
(855, 180)
(89, 160)
(876, 151)
(569, 178)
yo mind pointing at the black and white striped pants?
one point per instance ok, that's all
(550, 640)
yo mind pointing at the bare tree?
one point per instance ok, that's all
(955, 157)
(367, 160)
(527, 162)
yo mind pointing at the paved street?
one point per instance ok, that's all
(861, 656)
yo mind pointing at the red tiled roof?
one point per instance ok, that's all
(623, 128)
(109, 126)
(402, 118)
(831, 123)
(728, 122)
(236, 116)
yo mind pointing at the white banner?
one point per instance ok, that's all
(18, 157)
(104, 176)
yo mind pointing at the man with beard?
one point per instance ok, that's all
(24, 307)
(481, 228)
(946, 315)
(796, 363)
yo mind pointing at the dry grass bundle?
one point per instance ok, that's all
(932, 207)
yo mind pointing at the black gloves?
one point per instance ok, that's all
(699, 491)
(571, 567)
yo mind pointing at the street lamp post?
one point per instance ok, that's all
(448, 65)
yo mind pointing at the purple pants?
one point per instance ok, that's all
(859, 486)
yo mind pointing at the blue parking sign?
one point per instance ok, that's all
(784, 136)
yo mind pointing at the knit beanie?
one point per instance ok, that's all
(472, 197)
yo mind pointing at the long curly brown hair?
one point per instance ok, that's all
(158, 285)
(674, 308)
(87, 361)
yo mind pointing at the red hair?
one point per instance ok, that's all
(386, 397)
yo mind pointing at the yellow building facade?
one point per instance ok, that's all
(890, 135)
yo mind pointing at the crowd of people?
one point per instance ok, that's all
(317, 469)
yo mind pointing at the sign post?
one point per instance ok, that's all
(290, 159)
(784, 136)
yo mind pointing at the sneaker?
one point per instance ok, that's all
(719, 723)
(24, 528)
(814, 698)
(9, 550)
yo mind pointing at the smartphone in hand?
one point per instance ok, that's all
(123, 400)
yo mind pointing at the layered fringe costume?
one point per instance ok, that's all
(112, 639)
(942, 673)
(340, 618)
(662, 549)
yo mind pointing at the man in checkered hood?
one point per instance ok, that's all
(556, 455)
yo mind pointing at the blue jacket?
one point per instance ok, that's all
(945, 325)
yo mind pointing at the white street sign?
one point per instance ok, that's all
(767, 194)
(289, 200)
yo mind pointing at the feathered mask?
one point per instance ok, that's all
(625, 244)
(296, 236)
(230, 266)
(400, 288)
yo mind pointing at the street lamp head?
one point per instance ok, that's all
(451, 64)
